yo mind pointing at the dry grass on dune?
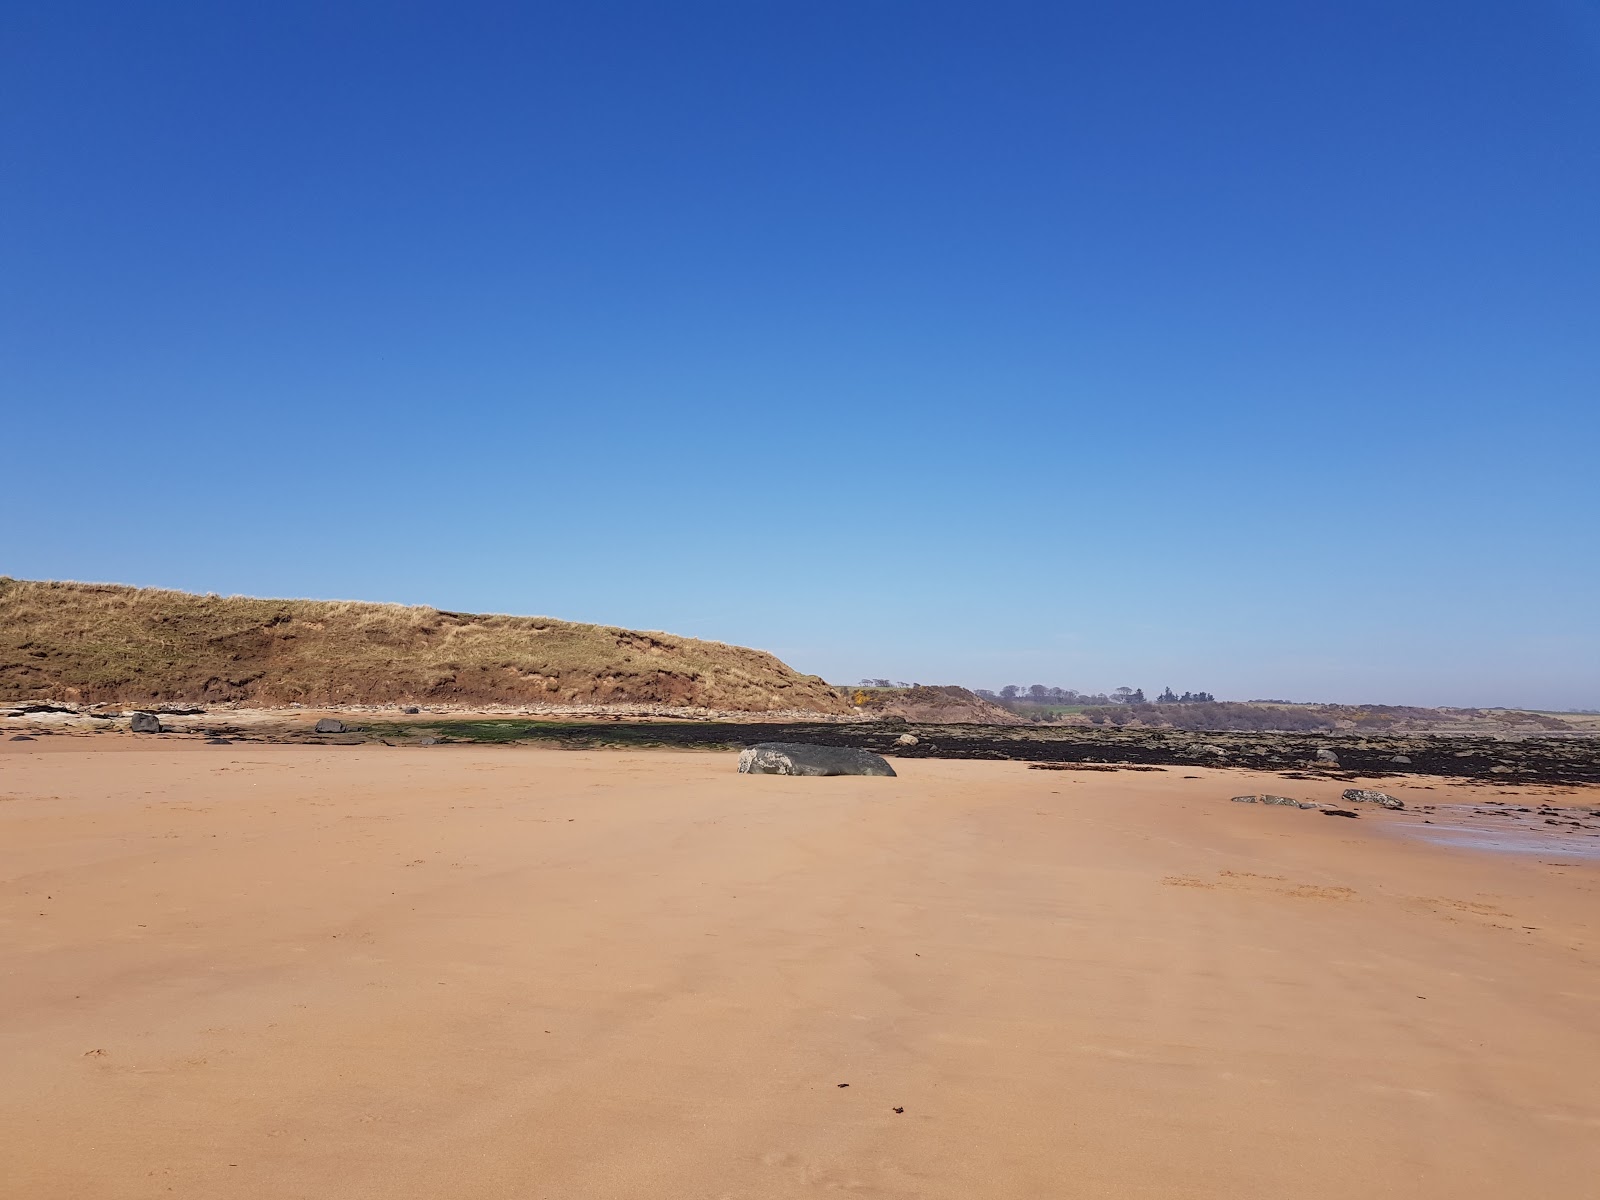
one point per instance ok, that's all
(938, 705)
(107, 643)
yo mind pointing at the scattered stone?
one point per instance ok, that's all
(1401, 759)
(411, 711)
(906, 739)
(1280, 800)
(22, 737)
(1309, 804)
(899, 1108)
(1244, 799)
(1365, 796)
(425, 742)
(795, 758)
(1328, 756)
(144, 722)
(843, 1085)
(1337, 812)
(330, 725)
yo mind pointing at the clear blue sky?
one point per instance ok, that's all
(1251, 347)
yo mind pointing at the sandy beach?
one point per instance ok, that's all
(274, 971)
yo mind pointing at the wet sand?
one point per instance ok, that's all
(288, 971)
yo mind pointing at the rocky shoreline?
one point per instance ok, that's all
(1539, 760)
(1563, 760)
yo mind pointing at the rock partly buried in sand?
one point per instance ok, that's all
(22, 737)
(794, 758)
(1246, 799)
(1285, 800)
(1337, 812)
(145, 723)
(1364, 796)
(330, 725)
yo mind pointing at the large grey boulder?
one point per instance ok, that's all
(330, 725)
(144, 722)
(1328, 756)
(1364, 796)
(794, 758)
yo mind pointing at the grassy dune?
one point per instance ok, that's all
(106, 643)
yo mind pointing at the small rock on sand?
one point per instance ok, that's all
(1365, 796)
(22, 737)
(906, 739)
(144, 722)
(1283, 801)
(330, 725)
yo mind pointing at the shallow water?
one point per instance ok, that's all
(1487, 830)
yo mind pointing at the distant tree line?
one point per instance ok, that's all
(1171, 697)
(1039, 694)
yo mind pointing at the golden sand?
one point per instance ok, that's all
(279, 972)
